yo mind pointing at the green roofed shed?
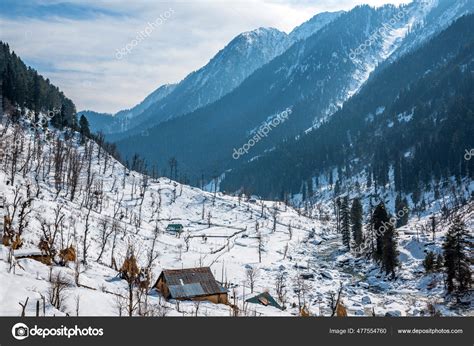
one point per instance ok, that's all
(175, 228)
(264, 299)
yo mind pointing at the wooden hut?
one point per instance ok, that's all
(191, 284)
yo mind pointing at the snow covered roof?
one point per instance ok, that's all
(27, 253)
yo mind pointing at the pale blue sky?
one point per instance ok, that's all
(75, 42)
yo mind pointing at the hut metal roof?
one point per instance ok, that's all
(191, 282)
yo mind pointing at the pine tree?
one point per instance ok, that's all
(380, 222)
(345, 223)
(356, 221)
(389, 250)
(84, 127)
(429, 262)
(401, 210)
(456, 260)
(439, 262)
(416, 195)
(337, 187)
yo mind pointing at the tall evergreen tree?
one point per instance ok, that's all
(84, 127)
(345, 223)
(380, 221)
(401, 211)
(456, 260)
(356, 221)
(389, 250)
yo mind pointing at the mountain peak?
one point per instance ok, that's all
(255, 36)
(313, 25)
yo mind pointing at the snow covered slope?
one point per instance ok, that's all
(221, 231)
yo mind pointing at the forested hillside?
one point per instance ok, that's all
(24, 88)
(415, 117)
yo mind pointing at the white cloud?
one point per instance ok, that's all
(78, 55)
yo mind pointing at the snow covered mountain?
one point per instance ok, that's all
(242, 56)
(432, 16)
(313, 25)
(413, 102)
(229, 68)
(225, 71)
(312, 78)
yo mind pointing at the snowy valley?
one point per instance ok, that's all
(60, 188)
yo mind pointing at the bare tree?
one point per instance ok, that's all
(197, 303)
(47, 243)
(23, 306)
(130, 273)
(280, 287)
(78, 304)
(15, 151)
(11, 209)
(333, 299)
(74, 172)
(153, 254)
(301, 289)
(285, 251)
(252, 273)
(121, 304)
(159, 310)
(59, 159)
(58, 222)
(25, 210)
(115, 231)
(260, 246)
(274, 215)
(59, 286)
(105, 233)
(85, 244)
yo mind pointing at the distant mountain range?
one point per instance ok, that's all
(124, 119)
(311, 74)
(229, 68)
